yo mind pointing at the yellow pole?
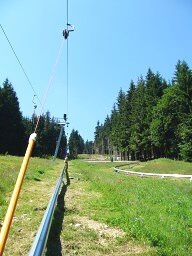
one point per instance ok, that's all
(12, 205)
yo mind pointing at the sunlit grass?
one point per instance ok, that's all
(36, 192)
(9, 169)
(162, 165)
(156, 211)
(153, 212)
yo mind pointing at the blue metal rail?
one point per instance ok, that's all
(40, 241)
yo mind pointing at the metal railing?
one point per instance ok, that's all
(40, 241)
(164, 175)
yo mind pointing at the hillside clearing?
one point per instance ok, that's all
(148, 211)
(101, 212)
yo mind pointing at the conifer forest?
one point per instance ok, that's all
(152, 119)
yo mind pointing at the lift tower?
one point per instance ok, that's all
(62, 123)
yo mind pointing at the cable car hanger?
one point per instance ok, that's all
(70, 28)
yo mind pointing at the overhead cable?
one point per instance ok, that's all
(50, 82)
(25, 73)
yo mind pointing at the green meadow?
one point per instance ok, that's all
(152, 216)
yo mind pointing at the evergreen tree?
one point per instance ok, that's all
(106, 135)
(185, 139)
(114, 130)
(122, 125)
(76, 144)
(98, 138)
(172, 113)
(102, 144)
(153, 119)
(155, 87)
(138, 129)
(167, 116)
(11, 126)
(15, 129)
(130, 108)
(48, 133)
(183, 80)
(88, 148)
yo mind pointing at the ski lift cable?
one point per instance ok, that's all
(67, 11)
(18, 60)
(67, 61)
(27, 77)
(67, 77)
(50, 83)
(66, 33)
(13, 202)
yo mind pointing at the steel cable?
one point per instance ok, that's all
(18, 60)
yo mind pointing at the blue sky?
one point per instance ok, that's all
(114, 42)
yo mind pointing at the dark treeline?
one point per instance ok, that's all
(48, 133)
(152, 119)
(15, 129)
(76, 144)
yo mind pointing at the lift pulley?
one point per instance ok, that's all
(70, 28)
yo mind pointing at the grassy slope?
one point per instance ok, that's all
(155, 212)
(161, 165)
(37, 189)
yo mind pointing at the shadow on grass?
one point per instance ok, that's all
(54, 246)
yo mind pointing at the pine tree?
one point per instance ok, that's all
(88, 148)
(106, 136)
(183, 79)
(185, 139)
(76, 144)
(98, 138)
(114, 139)
(139, 122)
(11, 126)
(153, 119)
(122, 123)
(130, 104)
(155, 87)
(167, 117)
(48, 133)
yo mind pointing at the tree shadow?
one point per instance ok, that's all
(54, 246)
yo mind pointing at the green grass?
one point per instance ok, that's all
(93, 157)
(156, 212)
(9, 168)
(162, 165)
(37, 188)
